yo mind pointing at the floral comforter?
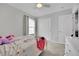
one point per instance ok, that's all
(18, 47)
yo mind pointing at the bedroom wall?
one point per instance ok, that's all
(48, 25)
(11, 20)
(44, 27)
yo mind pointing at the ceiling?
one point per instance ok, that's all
(30, 8)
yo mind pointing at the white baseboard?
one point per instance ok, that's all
(55, 42)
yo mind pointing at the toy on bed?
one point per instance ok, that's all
(7, 39)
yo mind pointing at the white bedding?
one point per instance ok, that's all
(23, 46)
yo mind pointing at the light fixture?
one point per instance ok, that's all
(39, 5)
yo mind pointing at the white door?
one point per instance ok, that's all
(64, 27)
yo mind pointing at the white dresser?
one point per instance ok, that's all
(72, 46)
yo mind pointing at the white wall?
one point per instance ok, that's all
(65, 27)
(48, 26)
(11, 20)
(44, 28)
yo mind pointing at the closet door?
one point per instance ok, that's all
(64, 27)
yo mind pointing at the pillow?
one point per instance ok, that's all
(7, 39)
(10, 37)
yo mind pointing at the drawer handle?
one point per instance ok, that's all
(69, 50)
(66, 53)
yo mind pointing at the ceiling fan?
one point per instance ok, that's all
(41, 5)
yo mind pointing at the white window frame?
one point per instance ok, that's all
(30, 25)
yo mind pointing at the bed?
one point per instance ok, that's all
(22, 46)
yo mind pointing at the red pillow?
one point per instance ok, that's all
(41, 43)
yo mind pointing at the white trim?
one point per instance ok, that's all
(55, 42)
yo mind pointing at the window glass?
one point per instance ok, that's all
(31, 26)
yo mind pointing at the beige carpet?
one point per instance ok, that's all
(53, 49)
(47, 53)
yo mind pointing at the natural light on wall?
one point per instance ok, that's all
(31, 26)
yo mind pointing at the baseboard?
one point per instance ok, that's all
(55, 42)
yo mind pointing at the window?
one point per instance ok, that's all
(31, 26)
